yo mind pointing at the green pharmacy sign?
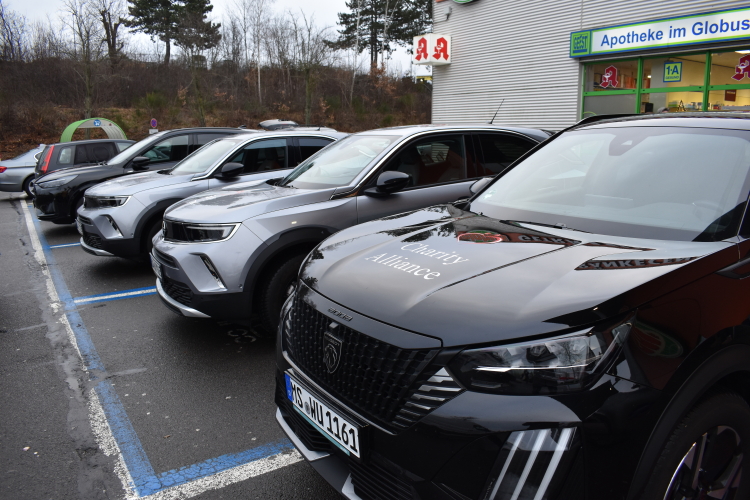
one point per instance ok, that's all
(728, 25)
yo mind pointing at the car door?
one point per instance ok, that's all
(167, 152)
(263, 159)
(438, 166)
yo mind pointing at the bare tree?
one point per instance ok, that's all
(12, 35)
(112, 14)
(85, 48)
(260, 17)
(312, 53)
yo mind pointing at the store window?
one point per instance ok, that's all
(703, 81)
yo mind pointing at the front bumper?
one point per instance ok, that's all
(53, 205)
(187, 281)
(582, 446)
(175, 306)
(107, 238)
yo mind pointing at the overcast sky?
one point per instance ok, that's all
(324, 12)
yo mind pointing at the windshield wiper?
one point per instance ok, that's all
(554, 226)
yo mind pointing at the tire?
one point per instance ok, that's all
(78, 204)
(27, 186)
(148, 244)
(715, 436)
(276, 289)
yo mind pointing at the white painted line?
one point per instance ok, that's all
(227, 477)
(66, 245)
(54, 299)
(98, 298)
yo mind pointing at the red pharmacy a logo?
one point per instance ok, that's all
(609, 78)
(421, 50)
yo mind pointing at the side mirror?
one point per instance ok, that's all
(141, 163)
(480, 184)
(389, 182)
(231, 169)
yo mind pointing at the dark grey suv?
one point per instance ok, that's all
(234, 253)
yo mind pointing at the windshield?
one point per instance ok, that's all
(202, 159)
(647, 182)
(338, 164)
(130, 152)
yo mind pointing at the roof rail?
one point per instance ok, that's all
(596, 118)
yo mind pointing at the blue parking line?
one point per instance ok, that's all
(105, 297)
(66, 245)
(145, 480)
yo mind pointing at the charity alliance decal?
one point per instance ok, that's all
(402, 263)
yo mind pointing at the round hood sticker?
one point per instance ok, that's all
(479, 236)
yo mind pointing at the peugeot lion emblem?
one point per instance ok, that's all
(332, 349)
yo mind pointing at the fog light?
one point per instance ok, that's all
(529, 465)
(213, 271)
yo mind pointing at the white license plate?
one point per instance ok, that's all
(156, 266)
(335, 427)
(79, 226)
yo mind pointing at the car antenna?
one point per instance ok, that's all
(496, 112)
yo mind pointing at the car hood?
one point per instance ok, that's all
(242, 201)
(481, 280)
(135, 183)
(92, 169)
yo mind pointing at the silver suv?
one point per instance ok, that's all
(120, 217)
(234, 253)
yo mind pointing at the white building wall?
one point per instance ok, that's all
(519, 51)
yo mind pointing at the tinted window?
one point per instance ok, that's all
(260, 156)
(666, 183)
(308, 146)
(99, 152)
(81, 156)
(203, 139)
(65, 156)
(432, 161)
(172, 149)
(498, 151)
(122, 146)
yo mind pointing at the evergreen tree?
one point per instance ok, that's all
(379, 25)
(162, 18)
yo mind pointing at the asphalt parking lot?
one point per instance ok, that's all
(107, 394)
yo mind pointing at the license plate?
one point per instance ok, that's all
(156, 266)
(340, 431)
(79, 226)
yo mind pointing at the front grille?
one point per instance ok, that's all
(375, 378)
(85, 220)
(178, 291)
(373, 482)
(165, 259)
(312, 438)
(92, 240)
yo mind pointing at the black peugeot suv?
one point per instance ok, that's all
(578, 329)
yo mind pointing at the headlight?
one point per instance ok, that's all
(558, 365)
(57, 182)
(187, 232)
(104, 201)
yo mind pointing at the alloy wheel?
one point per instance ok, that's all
(710, 469)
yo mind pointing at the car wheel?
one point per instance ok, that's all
(78, 204)
(27, 186)
(279, 285)
(153, 230)
(707, 455)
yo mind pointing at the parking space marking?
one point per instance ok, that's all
(112, 427)
(66, 245)
(125, 294)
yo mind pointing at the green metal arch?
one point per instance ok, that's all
(109, 127)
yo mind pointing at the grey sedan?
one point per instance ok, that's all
(17, 174)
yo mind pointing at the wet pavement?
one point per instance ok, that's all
(105, 393)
